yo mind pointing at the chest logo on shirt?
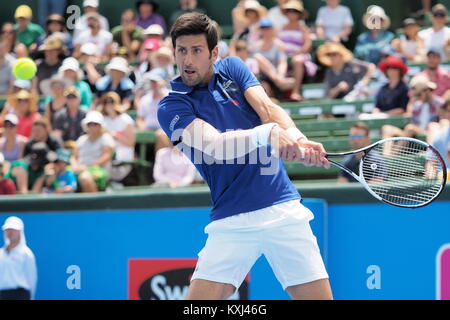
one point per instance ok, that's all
(232, 90)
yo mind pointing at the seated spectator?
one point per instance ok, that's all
(28, 174)
(27, 32)
(272, 61)
(277, 16)
(147, 106)
(6, 65)
(149, 47)
(441, 140)
(147, 14)
(393, 96)
(93, 69)
(12, 145)
(58, 178)
(128, 34)
(370, 43)
(297, 45)
(163, 60)
(172, 168)
(358, 138)
(70, 69)
(68, 120)
(334, 22)
(48, 66)
(252, 12)
(435, 73)
(117, 80)
(154, 31)
(53, 89)
(243, 53)
(7, 186)
(17, 86)
(93, 154)
(409, 44)
(56, 26)
(343, 71)
(102, 39)
(8, 36)
(186, 6)
(423, 108)
(121, 127)
(24, 105)
(82, 24)
(437, 37)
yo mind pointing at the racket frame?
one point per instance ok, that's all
(360, 177)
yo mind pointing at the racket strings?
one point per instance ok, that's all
(403, 172)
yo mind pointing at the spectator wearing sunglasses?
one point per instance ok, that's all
(358, 138)
(437, 37)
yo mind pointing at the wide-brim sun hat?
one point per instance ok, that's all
(23, 94)
(119, 64)
(295, 5)
(162, 52)
(332, 47)
(393, 62)
(251, 5)
(46, 85)
(117, 102)
(376, 18)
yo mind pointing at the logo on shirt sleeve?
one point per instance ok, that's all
(174, 122)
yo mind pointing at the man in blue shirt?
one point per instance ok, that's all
(219, 115)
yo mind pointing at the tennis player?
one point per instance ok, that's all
(219, 115)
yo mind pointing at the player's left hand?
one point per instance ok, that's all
(314, 154)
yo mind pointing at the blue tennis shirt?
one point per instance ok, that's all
(255, 181)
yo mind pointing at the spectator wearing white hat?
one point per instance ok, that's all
(17, 263)
(102, 39)
(81, 25)
(93, 154)
(12, 144)
(370, 43)
(70, 69)
(117, 80)
(53, 89)
(7, 186)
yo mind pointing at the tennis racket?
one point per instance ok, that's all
(403, 172)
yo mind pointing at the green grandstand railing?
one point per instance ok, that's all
(316, 108)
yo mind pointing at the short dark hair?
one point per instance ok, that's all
(362, 126)
(195, 23)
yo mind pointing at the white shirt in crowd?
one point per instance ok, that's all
(81, 25)
(118, 125)
(101, 40)
(436, 40)
(18, 267)
(334, 20)
(277, 17)
(90, 151)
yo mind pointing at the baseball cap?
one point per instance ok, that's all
(434, 51)
(265, 23)
(151, 44)
(13, 223)
(90, 3)
(11, 117)
(63, 155)
(23, 11)
(153, 29)
(22, 84)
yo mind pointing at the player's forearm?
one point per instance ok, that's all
(227, 145)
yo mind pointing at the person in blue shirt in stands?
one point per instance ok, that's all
(256, 209)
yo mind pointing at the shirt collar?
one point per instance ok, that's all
(178, 86)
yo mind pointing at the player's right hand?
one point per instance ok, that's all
(284, 146)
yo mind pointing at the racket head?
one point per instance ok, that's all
(403, 172)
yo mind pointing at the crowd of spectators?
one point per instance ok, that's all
(69, 129)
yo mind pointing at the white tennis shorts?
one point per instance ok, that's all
(280, 232)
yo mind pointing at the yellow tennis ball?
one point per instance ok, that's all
(24, 69)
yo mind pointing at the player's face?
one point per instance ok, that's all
(194, 60)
